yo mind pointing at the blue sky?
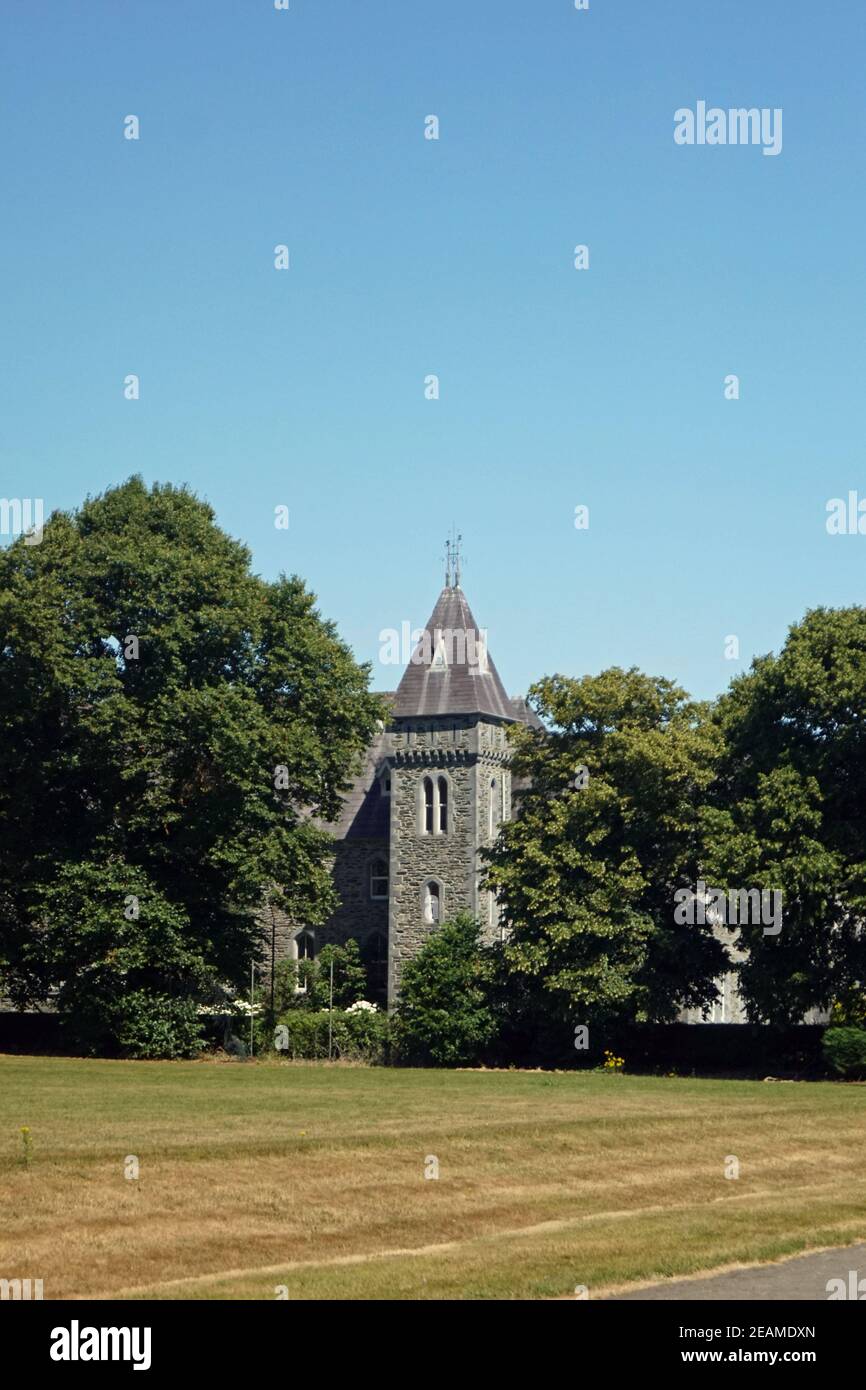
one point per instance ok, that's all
(455, 257)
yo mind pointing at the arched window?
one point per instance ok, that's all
(491, 806)
(379, 879)
(433, 806)
(306, 944)
(303, 949)
(443, 805)
(432, 903)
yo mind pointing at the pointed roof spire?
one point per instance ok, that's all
(451, 670)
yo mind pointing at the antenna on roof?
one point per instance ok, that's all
(452, 560)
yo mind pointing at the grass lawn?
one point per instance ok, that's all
(312, 1176)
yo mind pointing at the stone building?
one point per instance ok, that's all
(433, 791)
(432, 794)
(727, 1007)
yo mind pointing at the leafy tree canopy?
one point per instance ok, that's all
(306, 984)
(789, 813)
(174, 729)
(607, 830)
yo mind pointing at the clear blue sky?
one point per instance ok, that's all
(409, 257)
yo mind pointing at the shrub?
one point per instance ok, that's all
(155, 1025)
(117, 951)
(845, 1050)
(141, 1024)
(302, 1034)
(445, 1015)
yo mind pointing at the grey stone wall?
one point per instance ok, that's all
(358, 915)
(493, 803)
(417, 858)
(470, 753)
(277, 931)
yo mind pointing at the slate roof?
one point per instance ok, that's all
(454, 681)
(525, 713)
(460, 686)
(365, 813)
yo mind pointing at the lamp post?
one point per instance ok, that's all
(252, 1002)
(331, 1007)
(273, 957)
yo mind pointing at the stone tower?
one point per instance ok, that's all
(433, 790)
(450, 787)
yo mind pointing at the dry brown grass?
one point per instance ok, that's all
(312, 1176)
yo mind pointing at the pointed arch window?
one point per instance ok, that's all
(442, 822)
(432, 903)
(490, 809)
(306, 944)
(433, 806)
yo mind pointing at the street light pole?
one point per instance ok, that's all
(331, 1009)
(252, 1001)
(273, 957)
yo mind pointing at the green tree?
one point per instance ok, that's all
(444, 1016)
(350, 977)
(172, 719)
(607, 830)
(788, 813)
(116, 955)
(306, 984)
(286, 982)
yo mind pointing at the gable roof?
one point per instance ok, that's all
(525, 713)
(451, 671)
(365, 812)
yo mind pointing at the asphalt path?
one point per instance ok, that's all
(804, 1279)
